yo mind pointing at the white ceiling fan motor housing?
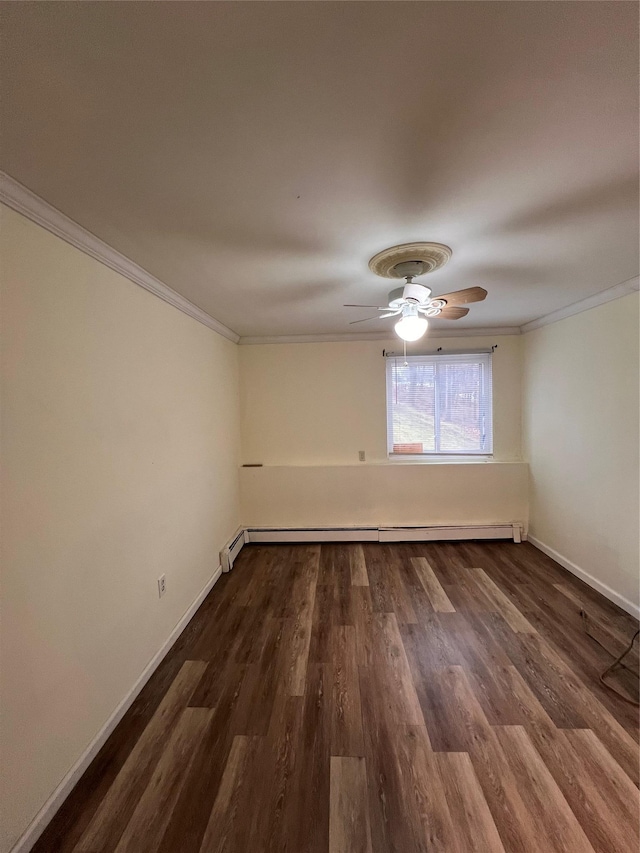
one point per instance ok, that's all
(416, 293)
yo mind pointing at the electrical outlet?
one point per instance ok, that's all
(162, 585)
(361, 455)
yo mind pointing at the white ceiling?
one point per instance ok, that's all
(253, 156)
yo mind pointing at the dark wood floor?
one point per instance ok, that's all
(424, 697)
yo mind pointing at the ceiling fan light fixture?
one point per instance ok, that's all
(411, 327)
(413, 301)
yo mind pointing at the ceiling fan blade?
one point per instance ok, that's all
(451, 312)
(377, 307)
(463, 297)
(379, 317)
(364, 320)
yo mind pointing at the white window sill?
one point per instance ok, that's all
(439, 460)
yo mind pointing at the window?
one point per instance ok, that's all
(439, 405)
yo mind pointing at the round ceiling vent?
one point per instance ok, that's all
(410, 259)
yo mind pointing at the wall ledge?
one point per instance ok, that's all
(387, 463)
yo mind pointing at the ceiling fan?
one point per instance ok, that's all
(413, 302)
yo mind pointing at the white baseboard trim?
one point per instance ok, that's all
(48, 810)
(596, 584)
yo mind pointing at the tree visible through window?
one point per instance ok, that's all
(439, 405)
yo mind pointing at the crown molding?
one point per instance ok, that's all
(313, 339)
(616, 292)
(375, 336)
(22, 200)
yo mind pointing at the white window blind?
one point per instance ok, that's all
(439, 405)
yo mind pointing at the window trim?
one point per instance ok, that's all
(433, 456)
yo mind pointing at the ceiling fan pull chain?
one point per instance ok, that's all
(396, 382)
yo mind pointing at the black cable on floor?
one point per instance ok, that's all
(616, 662)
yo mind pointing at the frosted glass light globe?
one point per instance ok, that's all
(411, 328)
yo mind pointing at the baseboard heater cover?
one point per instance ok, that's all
(451, 533)
(312, 534)
(232, 549)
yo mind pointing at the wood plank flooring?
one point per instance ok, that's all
(347, 698)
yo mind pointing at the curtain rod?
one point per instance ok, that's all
(440, 351)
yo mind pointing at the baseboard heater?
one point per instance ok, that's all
(232, 549)
(450, 533)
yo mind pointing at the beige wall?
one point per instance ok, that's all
(306, 411)
(119, 464)
(581, 437)
(319, 404)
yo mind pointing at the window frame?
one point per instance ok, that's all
(442, 455)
